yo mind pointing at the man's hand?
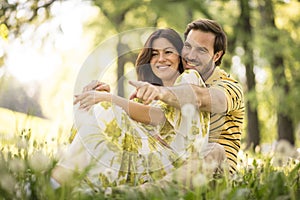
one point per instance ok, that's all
(146, 91)
(96, 85)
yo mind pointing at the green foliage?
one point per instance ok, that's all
(15, 15)
(26, 166)
(117, 16)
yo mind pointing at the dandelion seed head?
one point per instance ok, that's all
(284, 147)
(199, 180)
(22, 144)
(39, 161)
(242, 193)
(210, 166)
(224, 194)
(17, 165)
(108, 171)
(108, 192)
(284, 151)
(8, 182)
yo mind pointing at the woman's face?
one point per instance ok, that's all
(165, 61)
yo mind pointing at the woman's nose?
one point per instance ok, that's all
(161, 58)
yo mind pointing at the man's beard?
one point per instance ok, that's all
(209, 69)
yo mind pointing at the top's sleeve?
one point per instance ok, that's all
(233, 91)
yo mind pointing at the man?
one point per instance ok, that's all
(205, 44)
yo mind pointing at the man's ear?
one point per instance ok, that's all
(218, 55)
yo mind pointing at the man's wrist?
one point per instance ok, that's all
(163, 93)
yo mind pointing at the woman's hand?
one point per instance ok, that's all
(90, 98)
(96, 85)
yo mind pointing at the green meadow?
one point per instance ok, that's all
(28, 156)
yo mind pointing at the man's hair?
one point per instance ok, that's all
(207, 25)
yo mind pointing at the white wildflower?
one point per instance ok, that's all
(243, 193)
(199, 180)
(8, 183)
(210, 166)
(39, 161)
(283, 152)
(22, 144)
(108, 192)
(109, 174)
(17, 165)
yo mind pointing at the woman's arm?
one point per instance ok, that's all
(137, 111)
(140, 112)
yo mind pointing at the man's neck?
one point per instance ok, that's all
(207, 74)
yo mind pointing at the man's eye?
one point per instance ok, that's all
(187, 46)
(202, 50)
(169, 52)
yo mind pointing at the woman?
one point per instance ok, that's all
(126, 142)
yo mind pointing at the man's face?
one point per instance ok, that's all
(198, 52)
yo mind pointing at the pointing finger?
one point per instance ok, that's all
(137, 84)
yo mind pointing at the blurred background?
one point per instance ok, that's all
(47, 48)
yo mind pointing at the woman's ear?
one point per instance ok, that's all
(218, 55)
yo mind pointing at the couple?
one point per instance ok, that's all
(133, 142)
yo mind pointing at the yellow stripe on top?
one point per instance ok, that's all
(226, 128)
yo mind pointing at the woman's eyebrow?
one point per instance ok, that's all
(170, 48)
(153, 49)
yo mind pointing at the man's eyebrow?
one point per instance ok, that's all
(202, 48)
(196, 46)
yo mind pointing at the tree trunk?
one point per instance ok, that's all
(120, 70)
(285, 128)
(246, 39)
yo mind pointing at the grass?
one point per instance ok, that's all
(26, 163)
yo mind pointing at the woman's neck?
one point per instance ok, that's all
(170, 82)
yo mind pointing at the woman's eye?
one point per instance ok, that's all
(169, 52)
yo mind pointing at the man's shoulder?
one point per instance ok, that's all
(221, 75)
(223, 80)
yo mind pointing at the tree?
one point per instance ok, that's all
(14, 15)
(285, 127)
(116, 11)
(245, 35)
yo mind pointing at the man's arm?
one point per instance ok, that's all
(206, 99)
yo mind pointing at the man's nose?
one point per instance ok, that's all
(191, 54)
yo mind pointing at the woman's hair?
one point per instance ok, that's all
(143, 68)
(207, 25)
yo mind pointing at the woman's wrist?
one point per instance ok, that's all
(108, 97)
